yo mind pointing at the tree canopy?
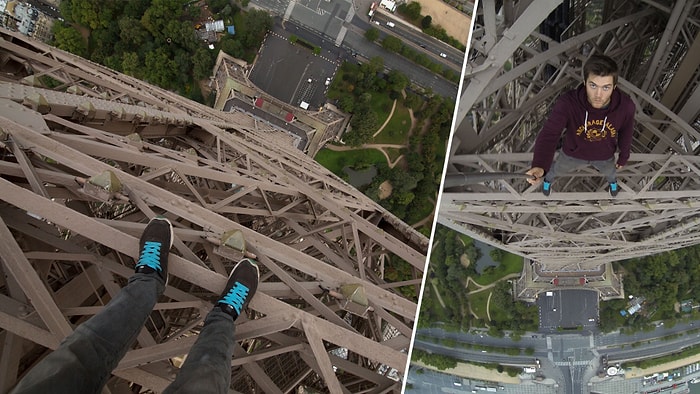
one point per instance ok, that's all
(156, 40)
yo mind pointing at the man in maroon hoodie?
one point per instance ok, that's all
(598, 119)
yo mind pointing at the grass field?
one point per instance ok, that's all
(336, 160)
(381, 104)
(511, 264)
(394, 153)
(396, 131)
(478, 303)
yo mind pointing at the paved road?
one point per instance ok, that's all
(356, 43)
(571, 359)
(421, 42)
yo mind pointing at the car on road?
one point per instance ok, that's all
(443, 54)
(390, 24)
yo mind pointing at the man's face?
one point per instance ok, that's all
(599, 89)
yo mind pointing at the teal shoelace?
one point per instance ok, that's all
(150, 256)
(236, 296)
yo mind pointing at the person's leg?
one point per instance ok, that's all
(85, 359)
(562, 165)
(207, 368)
(607, 168)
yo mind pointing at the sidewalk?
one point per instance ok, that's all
(474, 372)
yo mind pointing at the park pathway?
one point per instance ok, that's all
(484, 288)
(393, 107)
(379, 147)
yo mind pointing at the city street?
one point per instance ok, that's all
(572, 359)
(354, 43)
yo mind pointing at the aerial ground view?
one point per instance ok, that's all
(131, 126)
(584, 283)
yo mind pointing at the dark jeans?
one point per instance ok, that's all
(84, 360)
(563, 164)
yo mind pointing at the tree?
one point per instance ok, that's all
(131, 31)
(217, 6)
(159, 15)
(397, 80)
(202, 63)
(346, 103)
(254, 27)
(160, 68)
(131, 64)
(86, 12)
(363, 124)
(391, 43)
(232, 47)
(413, 101)
(69, 39)
(372, 34)
(413, 10)
(426, 21)
(496, 254)
(375, 65)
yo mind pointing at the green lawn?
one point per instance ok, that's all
(336, 160)
(465, 239)
(511, 264)
(381, 103)
(478, 303)
(498, 314)
(472, 286)
(396, 131)
(394, 153)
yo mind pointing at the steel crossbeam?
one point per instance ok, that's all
(312, 233)
(580, 225)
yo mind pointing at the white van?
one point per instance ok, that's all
(390, 24)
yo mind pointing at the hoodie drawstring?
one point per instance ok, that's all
(585, 124)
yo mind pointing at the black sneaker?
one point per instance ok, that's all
(154, 247)
(240, 288)
(546, 188)
(612, 187)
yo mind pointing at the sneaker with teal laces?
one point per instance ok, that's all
(612, 187)
(154, 248)
(240, 288)
(546, 188)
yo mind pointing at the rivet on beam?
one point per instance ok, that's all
(134, 139)
(118, 113)
(232, 246)
(32, 80)
(104, 187)
(353, 298)
(86, 109)
(37, 102)
(75, 89)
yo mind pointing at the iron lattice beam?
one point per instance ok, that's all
(583, 228)
(73, 244)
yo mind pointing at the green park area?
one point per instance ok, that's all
(336, 161)
(395, 134)
(462, 297)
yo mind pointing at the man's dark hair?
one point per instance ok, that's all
(600, 65)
